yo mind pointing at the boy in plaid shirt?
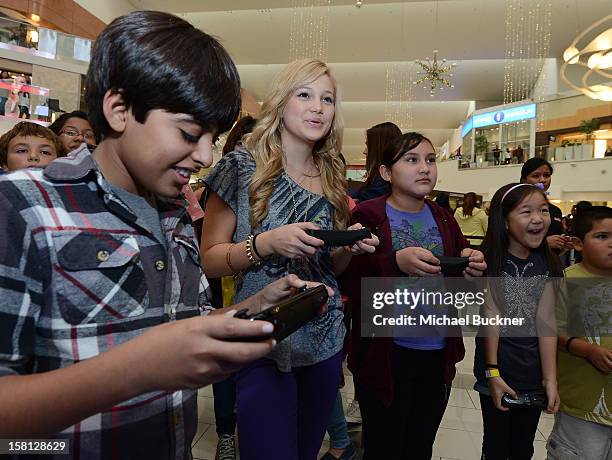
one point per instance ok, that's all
(103, 339)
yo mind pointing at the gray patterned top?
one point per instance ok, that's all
(323, 337)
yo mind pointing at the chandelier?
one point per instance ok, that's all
(434, 74)
(594, 59)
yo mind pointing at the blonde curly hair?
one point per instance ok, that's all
(265, 145)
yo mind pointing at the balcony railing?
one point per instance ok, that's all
(551, 152)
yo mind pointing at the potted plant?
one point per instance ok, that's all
(481, 145)
(588, 126)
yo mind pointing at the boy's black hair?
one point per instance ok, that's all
(532, 164)
(58, 124)
(585, 219)
(159, 61)
(582, 205)
(496, 241)
(400, 145)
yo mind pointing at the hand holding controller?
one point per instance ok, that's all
(340, 237)
(453, 266)
(289, 315)
(534, 400)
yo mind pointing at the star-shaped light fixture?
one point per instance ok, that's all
(434, 73)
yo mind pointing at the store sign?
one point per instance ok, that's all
(467, 127)
(524, 112)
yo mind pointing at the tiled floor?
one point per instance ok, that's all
(459, 436)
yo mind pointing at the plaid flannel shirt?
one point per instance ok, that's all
(79, 275)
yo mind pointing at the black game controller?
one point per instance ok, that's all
(534, 400)
(453, 266)
(340, 237)
(289, 315)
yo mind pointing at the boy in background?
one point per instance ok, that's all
(29, 145)
(583, 425)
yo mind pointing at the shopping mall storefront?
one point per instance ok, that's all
(505, 135)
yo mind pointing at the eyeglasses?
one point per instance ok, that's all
(87, 134)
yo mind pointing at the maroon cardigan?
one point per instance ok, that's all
(370, 358)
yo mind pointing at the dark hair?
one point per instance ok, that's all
(469, 203)
(159, 61)
(443, 200)
(400, 145)
(532, 164)
(585, 219)
(58, 124)
(25, 129)
(582, 205)
(377, 138)
(243, 126)
(496, 241)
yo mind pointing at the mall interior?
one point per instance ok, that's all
(491, 84)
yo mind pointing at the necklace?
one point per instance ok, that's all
(318, 174)
(293, 199)
(312, 175)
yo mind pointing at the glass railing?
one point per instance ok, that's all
(51, 44)
(490, 159)
(16, 33)
(591, 150)
(588, 150)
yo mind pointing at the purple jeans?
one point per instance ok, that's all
(283, 415)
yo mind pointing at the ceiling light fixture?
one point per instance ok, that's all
(358, 3)
(399, 90)
(528, 35)
(435, 74)
(309, 29)
(595, 59)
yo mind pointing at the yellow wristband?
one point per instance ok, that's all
(490, 373)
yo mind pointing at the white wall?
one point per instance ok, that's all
(455, 140)
(572, 180)
(548, 80)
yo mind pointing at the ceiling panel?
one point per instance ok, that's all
(466, 29)
(364, 42)
(366, 81)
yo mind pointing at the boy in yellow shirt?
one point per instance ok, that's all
(583, 425)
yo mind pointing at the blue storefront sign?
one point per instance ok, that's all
(523, 112)
(467, 127)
